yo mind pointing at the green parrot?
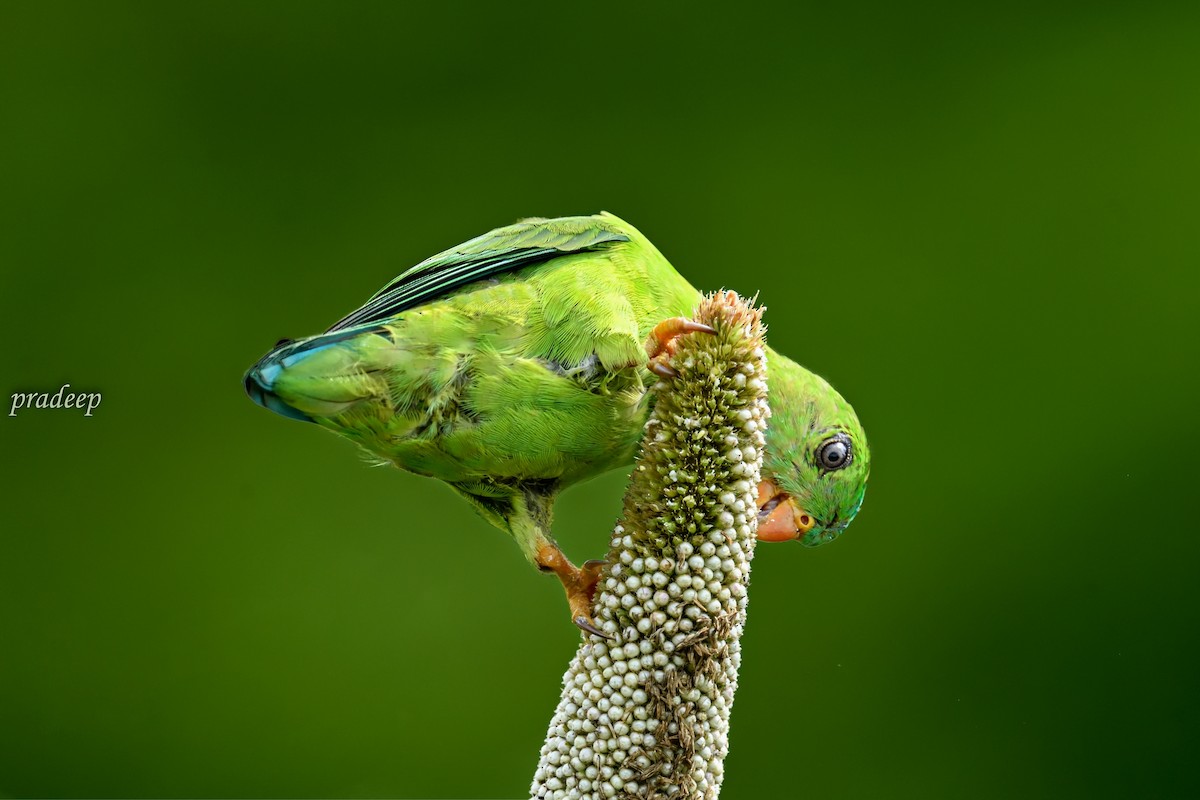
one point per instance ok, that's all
(518, 363)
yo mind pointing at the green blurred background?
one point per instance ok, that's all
(980, 223)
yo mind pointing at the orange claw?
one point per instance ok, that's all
(665, 332)
(660, 343)
(579, 583)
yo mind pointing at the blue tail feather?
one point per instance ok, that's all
(260, 379)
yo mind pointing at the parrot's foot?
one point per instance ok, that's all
(581, 601)
(661, 343)
(578, 582)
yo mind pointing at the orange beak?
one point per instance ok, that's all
(779, 518)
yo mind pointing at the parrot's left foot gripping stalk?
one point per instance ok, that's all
(579, 583)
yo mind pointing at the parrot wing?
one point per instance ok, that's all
(502, 250)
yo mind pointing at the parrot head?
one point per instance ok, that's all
(816, 464)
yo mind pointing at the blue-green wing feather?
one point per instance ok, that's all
(502, 250)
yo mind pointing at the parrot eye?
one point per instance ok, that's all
(835, 453)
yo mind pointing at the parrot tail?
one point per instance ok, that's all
(317, 377)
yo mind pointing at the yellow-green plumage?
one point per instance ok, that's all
(510, 366)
